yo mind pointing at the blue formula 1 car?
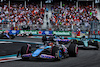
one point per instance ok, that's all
(6, 36)
(51, 50)
(87, 43)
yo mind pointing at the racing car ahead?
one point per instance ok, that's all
(4, 35)
(87, 43)
(51, 50)
(25, 34)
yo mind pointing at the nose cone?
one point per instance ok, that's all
(37, 52)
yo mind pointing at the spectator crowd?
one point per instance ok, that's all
(19, 16)
(71, 15)
(31, 17)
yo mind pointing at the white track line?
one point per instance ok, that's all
(5, 42)
(9, 59)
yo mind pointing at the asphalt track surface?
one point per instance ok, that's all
(13, 48)
(85, 58)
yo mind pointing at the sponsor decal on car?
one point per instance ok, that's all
(26, 55)
(46, 56)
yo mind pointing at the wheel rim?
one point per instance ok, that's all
(60, 55)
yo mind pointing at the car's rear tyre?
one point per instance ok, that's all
(12, 36)
(1, 36)
(96, 44)
(24, 50)
(73, 50)
(54, 50)
(74, 41)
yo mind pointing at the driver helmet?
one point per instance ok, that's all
(83, 37)
(54, 35)
(50, 44)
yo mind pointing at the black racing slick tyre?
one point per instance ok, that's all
(44, 39)
(12, 36)
(73, 50)
(1, 36)
(96, 44)
(74, 41)
(25, 50)
(54, 50)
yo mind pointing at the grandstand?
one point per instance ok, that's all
(56, 15)
(97, 3)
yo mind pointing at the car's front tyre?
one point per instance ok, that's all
(73, 50)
